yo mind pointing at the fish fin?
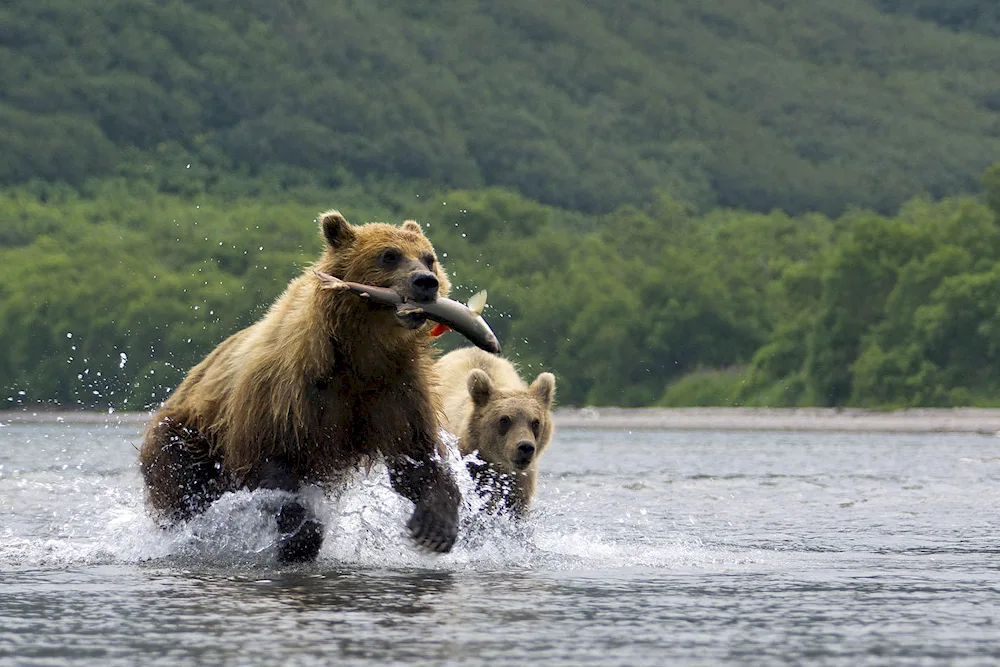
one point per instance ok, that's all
(330, 282)
(478, 302)
(439, 329)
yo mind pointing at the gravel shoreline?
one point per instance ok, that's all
(923, 420)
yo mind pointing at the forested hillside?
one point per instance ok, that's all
(717, 202)
(756, 104)
(107, 299)
(981, 16)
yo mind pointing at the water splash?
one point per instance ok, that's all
(100, 520)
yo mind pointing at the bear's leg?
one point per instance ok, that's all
(504, 492)
(181, 475)
(522, 491)
(434, 523)
(491, 485)
(301, 532)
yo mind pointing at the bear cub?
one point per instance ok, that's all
(495, 413)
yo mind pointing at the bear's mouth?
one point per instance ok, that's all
(411, 319)
(521, 463)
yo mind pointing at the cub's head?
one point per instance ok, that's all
(510, 428)
(400, 258)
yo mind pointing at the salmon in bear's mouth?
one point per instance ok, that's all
(476, 304)
(453, 315)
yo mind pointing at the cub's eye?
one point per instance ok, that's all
(503, 425)
(389, 258)
(429, 261)
(536, 426)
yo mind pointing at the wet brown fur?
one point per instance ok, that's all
(476, 390)
(323, 382)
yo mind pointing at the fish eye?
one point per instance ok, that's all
(503, 425)
(389, 258)
(536, 425)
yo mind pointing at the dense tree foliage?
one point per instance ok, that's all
(977, 15)
(109, 295)
(696, 202)
(758, 104)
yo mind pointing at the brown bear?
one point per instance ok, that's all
(324, 383)
(493, 412)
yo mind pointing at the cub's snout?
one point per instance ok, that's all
(524, 454)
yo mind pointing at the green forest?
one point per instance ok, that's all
(721, 202)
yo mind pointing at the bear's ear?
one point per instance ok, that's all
(413, 226)
(480, 387)
(544, 387)
(336, 230)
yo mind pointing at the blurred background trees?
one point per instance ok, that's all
(756, 105)
(677, 203)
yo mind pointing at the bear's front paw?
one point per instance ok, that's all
(301, 534)
(434, 524)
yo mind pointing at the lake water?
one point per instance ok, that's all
(646, 548)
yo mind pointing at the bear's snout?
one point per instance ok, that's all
(425, 286)
(524, 453)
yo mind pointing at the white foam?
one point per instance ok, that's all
(365, 527)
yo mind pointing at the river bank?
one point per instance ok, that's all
(922, 420)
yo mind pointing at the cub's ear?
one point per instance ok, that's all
(480, 387)
(544, 387)
(413, 226)
(336, 230)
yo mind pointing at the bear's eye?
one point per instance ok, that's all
(503, 425)
(429, 261)
(389, 258)
(536, 426)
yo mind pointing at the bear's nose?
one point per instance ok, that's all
(425, 286)
(525, 450)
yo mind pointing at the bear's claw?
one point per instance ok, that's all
(433, 530)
